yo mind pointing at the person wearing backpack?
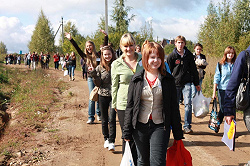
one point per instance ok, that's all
(222, 76)
(239, 71)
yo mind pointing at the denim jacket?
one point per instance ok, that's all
(222, 77)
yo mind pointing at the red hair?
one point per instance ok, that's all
(227, 50)
(147, 49)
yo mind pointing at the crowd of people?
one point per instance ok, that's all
(143, 87)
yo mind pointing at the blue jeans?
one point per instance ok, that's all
(194, 91)
(187, 95)
(91, 110)
(72, 70)
(151, 143)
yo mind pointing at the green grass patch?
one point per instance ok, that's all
(32, 94)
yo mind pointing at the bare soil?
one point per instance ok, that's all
(69, 141)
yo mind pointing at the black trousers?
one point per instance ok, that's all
(108, 118)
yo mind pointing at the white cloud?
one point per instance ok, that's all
(177, 26)
(170, 18)
(13, 34)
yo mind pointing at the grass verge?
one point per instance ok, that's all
(30, 94)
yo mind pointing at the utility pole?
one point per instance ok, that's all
(106, 16)
(62, 32)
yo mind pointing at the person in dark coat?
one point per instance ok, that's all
(183, 68)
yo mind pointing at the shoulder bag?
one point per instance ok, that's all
(94, 94)
(242, 97)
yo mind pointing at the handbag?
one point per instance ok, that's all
(242, 97)
(178, 155)
(214, 122)
(94, 94)
(127, 159)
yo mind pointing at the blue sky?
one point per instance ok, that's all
(169, 17)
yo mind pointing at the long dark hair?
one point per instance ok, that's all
(105, 64)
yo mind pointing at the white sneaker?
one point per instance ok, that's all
(90, 121)
(99, 118)
(112, 147)
(106, 144)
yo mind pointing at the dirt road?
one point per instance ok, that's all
(74, 143)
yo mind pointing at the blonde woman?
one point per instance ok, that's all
(92, 60)
(122, 70)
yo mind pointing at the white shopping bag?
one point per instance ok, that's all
(66, 72)
(200, 105)
(127, 159)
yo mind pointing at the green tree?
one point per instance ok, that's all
(79, 39)
(242, 16)
(146, 33)
(120, 16)
(42, 38)
(207, 31)
(3, 49)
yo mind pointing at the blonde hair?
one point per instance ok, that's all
(127, 39)
(91, 57)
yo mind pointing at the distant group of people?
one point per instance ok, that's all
(13, 59)
(33, 59)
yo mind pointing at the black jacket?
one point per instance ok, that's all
(183, 68)
(170, 112)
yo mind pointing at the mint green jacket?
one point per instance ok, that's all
(121, 75)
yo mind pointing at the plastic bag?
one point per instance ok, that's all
(127, 159)
(66, 72)
(178, 155)
(200, 105)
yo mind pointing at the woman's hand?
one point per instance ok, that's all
(214, 96)
(68, 35)
(104, 32)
